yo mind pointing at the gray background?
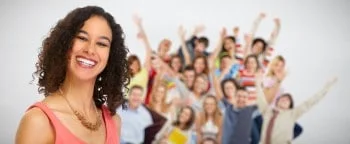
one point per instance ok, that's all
(314, 39)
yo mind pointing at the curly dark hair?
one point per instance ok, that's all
(52, 62)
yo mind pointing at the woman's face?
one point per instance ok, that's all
(185, 115)
(209, 106)
(200, 85)
(160, 94)
(284, 103)
(90, 50)
(257, 48)
(251, 64)
(229, 44)
(176, 64)
(189, 77)
(229, 89)
(134, 67)
(199, 65)
(164, 46)
(278, 67)
(225, 63)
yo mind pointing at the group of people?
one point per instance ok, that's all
(95, 92)
(231, 95)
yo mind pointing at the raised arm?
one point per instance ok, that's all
(306, 105)
(249, 37)
(184, 47)
(275, 32)
(218, 48)
(184, 91)
(217, 86)
(142, 36)
(261, 101)
(198, 29)
(256, 24)
(271, 91)
(163, 132)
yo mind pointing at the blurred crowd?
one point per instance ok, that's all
(232, 95)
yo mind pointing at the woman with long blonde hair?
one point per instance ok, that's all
(274, 77)
(209, 122)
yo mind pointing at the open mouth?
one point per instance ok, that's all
(85, 62)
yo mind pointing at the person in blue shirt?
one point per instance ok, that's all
(135, 119)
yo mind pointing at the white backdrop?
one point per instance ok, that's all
(314, 39)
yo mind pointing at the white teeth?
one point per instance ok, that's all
(86, 61)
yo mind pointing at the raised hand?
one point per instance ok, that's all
(235, 31)
(223, 33)
(141, 35)
(247, 37)
(331, 82)
(181, 32)
(262, 15)
(198, 29)
(137, 19)
(277, 21)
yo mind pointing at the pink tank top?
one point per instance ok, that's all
(64, 136)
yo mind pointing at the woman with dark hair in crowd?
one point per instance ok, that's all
(82, 70)
(183, 125)
(246, 76)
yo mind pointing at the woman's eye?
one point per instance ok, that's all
(102, 44)
(82, 38)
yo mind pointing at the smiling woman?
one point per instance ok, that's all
(82, 70)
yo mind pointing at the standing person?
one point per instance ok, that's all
(279, 121)
(246, 76)
(135, 119)
(209, 122)
(272, 85)
(82, 70)
(193, 47)
(179, 130)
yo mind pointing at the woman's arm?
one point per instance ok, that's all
(217, 86)
(271, 92)
(163, 132)
(261, 101)
(249, 37)
(198, 129)
(184, 48)
(142, 35)
(219, 136)
(256, 24)
(306, 105)
(35, 128)
(275, 32)
(217, 50)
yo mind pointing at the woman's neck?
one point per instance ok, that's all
(79, 94)
(197, 94)
(231, 52)
(250, 71)
(210, 117)
(157, 105)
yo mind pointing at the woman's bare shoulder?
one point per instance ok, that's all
(34, 128)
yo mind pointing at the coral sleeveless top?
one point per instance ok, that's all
(64, 136)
